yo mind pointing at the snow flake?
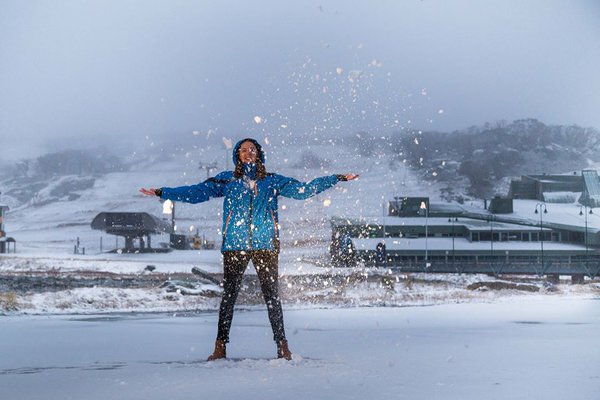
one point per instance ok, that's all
(258, 119)
(354, 75)
(327, 203)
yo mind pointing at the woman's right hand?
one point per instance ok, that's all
(148, 192)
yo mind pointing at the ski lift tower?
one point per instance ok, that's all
(4, 241)
(3, 208)
(131, 225)
(208, 168)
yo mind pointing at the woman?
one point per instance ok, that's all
(250, 230)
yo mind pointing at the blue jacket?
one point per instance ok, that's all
(250, 218)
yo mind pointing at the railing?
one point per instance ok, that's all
(549, 267)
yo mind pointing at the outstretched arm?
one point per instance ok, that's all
(151, 191)
(290, 187)
(212, 187)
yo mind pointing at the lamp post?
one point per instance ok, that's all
(169, 209)
(586, 230)
(383, 219)
(424, 207)
(491, 219)
(542, 210)
(208, 168)
(453, 235)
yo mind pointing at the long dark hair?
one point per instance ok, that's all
(261, 171)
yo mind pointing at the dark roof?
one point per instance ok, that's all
(130, 223)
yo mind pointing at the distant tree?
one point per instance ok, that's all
(75, 162)
(309, 160)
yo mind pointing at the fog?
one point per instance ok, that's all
(77, 74)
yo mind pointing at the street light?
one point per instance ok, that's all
(208, 168)
(424, 207)
(541, 207)
(491, 219)
(453, 221)
(586, 230)
(169, 209)
(383, 219)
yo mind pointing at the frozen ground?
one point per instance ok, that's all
(542, 348)
(53, 284)
(116, 331)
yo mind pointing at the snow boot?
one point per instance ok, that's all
(283, 350)
(219, 352)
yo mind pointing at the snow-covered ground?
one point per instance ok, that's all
(172, 288)
(102, 325)
(512, 349)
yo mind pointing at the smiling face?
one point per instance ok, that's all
(248, 152)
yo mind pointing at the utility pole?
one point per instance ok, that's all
(425, 207)
(542, 210)
(585, 214)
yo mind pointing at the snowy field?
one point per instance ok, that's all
(536, 349)
(119, 331)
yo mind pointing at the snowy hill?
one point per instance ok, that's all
(485, 157)
(60, 193)
(52, 208)
(63, 205)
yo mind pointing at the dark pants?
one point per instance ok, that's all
(266, 264)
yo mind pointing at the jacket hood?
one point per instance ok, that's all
(236, 149)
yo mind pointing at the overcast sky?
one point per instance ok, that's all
(93, 70)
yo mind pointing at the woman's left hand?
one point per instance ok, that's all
(348, 177)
